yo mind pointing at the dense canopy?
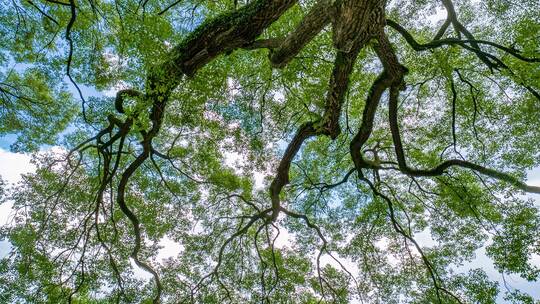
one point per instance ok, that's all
(315, 151)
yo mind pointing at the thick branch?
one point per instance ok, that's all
(377, 88)
(328, 125)
(392, 75)
(314, 21)
(217, 36)
(282, 177)
(355, 24)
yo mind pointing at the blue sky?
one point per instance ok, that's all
(14, 164)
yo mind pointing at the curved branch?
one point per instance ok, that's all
(368, 116)
(120, 95)
(440, 169)
(135, 220)
(282, 177)
(393, 73)
(348, 43)
(328, 125)
(72, 19)
(454, 41)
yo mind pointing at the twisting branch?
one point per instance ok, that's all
(393, 73)
(348, 48)
(217, 36)
(283, 50)
(328, 125)
(282, 177)
(126, 175)
(73, 11)
(391, 63)
(462, 42)
(105, 180)
(440, 169)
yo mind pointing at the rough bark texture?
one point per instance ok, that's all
(218, 36)
(356, 22)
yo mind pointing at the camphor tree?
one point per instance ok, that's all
(352, 126)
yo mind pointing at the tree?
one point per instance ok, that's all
(370, 122)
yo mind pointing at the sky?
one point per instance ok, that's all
(14, 165)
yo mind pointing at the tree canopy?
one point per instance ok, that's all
(353, 127)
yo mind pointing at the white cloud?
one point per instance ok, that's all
(11, 168)
(12, 165)
(534, 176)
(111, 92)
(169, 249)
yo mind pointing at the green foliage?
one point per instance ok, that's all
(203, 185)
(31, 103)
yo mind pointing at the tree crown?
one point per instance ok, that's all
(363, 130)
